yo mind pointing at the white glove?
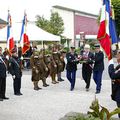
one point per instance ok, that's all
(7, 57)
(110, 62)
(21, 58)
(37, 71)
(13, 76)
(55, 66)
(46, 69)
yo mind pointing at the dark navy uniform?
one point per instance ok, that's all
(15, 71)
(114, 74)
(98, 70)
(3, 68)
(71, 68)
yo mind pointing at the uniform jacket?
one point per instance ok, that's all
(3, 67)
(54, 63)
(89, 63)
(71, 61)
(115, 75)
(35, 65)
(15, 67)
(99, 61)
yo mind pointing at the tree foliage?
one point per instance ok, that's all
(55, 25)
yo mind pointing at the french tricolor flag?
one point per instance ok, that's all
(10, 40)
(24, 40)
(103, 32)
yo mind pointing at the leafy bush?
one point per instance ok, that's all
(101, 112)
(98, 113)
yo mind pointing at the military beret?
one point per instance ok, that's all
(97, 45)
(63, 51)
(72, 47)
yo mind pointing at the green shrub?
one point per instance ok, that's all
(98, 113)
(101, 112)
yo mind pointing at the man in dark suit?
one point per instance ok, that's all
(98, 68)
(87, 66)
(16, 72)
(71, 67)
(3, 68)
(114, 74)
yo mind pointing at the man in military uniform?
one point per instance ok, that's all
(35, 65)
(98, 68)
(3, 68)
(54, 64)
(71, 67)
(61, 62)
(16, 72)
(47, 60)
(43, 67)
(114, 73)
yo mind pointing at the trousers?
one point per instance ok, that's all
(71, 76)
(17, 85)
(97, 76)
(2, 87)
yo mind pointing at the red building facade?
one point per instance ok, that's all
(77, 22)
(85, 24)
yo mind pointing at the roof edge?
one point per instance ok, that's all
(73, 10)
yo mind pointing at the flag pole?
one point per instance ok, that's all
(42, 44)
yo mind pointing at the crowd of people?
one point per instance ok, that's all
(43, 65)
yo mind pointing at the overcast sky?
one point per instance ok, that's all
(43, 7)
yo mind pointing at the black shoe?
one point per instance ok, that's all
(45, 85)
(20, 93)
(60, 80)
(1, 99)
(71, 89)
(97, 92)
(53, 82)
(87, 89)
(5, 98)
(38, 88)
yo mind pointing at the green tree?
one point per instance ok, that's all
(42, 23)
(116, 6)
(55, 25)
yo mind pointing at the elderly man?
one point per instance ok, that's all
(87, 67)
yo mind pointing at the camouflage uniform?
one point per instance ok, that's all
(35, 65)
(54, 65)
(47, 61)
(43, 68)
(61, 62)
(61, 58)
